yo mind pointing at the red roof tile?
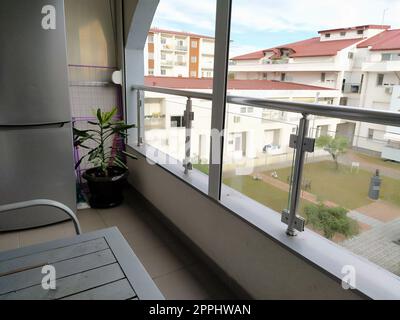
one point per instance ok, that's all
(313, 47)
(179, 33)
(251, 56)
(364, 27)
(207, 83)
(387, 40)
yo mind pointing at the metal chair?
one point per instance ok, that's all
(46, 203)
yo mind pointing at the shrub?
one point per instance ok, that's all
(331, 220)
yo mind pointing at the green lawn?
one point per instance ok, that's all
(202, 168)
(379, 161)
(260, 191)
(346, 189)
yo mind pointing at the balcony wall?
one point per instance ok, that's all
(254, 261)
(382, 66)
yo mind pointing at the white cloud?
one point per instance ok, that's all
(311, 15)
(258, 16)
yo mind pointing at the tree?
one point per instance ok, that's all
(336, 146)
(330, 220)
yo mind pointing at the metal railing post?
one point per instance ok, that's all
(139, 118)
(188, 124)
(302, 144)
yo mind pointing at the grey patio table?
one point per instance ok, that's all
(94, 266)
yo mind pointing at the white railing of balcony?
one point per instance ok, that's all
(299, 142)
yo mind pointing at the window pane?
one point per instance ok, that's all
(178, 53)
(342, 197)
(315, 56)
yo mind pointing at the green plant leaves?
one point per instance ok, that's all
(100, 155)
(331, 220)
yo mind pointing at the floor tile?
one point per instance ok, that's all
(45, 234)
(159, 261)
(181, 285)
(90, 220)
(9, 241)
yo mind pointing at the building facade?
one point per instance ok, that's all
(362, 62)
(179, 54)
(254, 136)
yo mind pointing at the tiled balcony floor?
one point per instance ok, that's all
(174, 268)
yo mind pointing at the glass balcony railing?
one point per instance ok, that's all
(320, 167)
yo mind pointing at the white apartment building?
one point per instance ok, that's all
(179, 54)
(362, 62)
(251, 133)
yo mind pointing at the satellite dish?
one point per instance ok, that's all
(117, 77)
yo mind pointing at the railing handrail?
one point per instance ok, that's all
(324, 110)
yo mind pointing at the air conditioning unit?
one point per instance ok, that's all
(389, 90)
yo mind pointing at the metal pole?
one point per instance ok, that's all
(220, 82)
(297, 174)
(188, 124)
(139, 118)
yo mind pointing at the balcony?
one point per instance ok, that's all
(181, 48)
(381, 66)
(181, 63)
(259, 151)
(225, 197)
(167, 63)
(177, 272)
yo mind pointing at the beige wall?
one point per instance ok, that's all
(262, 267)
(91, 35)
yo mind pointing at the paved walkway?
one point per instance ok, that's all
(364, 219)
(377, 245)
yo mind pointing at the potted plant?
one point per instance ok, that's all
(109, 172)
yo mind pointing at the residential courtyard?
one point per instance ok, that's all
(378, 237)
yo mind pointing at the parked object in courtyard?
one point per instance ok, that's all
(375, 186)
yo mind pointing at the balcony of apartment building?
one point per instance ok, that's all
(288, 64)
(384, 62)
(194, 225)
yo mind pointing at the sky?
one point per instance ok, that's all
(261, 24)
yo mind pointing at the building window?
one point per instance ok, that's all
(283, 77)
(343, 34)
(236, 119)
(386, 57)
(163, 72)
(360, 31)
(163, 41)
(250, 110)
(371, 134)
(194, 44)
(343, 101)
(323, 77)
(151, 55)
(351, 55)
(193, 59)
(163, 56)
(327, 35)
(177, 122)
(151, 72)
(151, 39)
(379, 79)
(193, 74)
(265, 75)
